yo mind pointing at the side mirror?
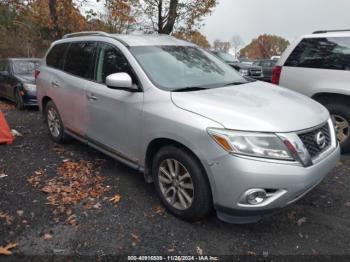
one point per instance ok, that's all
(121, 81)
(4, 73)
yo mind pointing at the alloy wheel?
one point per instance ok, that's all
(53, 122)
(176, 184)
(342, 127)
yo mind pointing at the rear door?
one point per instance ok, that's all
(114, 115)
(78, 71)
(317, 65)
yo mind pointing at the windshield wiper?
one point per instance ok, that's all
(189, 89)
(235, 83)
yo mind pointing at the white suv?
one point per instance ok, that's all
(318, 66)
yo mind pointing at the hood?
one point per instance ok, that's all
(245, 66)
(255, 106)
(26, 78)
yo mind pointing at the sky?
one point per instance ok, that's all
(286, 18)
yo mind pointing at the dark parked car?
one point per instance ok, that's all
(267, 66)
(17, 81)
(245, 69)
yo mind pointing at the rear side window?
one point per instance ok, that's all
(56, 55)
(322, 53)
(80, 59)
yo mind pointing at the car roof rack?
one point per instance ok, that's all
(86, 33)
(330, 31)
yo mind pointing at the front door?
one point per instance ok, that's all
(114, 115)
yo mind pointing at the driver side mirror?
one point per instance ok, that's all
(121, 81)
(4, 73)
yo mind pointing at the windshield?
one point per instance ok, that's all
(227, 57)
(176, 67)
(25, 67)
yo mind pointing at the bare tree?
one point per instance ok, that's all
(236, 43)
(223, 46)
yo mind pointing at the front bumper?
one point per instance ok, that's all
(30, 99)
(234, 175)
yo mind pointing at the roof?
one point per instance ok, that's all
(22, 59)
(149, 40)
(321, 34)
(128, 39)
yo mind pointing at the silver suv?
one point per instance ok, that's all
(318, 65)
(207, 137)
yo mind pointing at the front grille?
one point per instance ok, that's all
(310, 141)
(255, 72)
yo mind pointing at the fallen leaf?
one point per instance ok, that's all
(251, 253)
(199, 251)
(115, 199)
(6, 249)
(301, 221)
(47, 236)
(7, 218)
(135, 236)
(159, 210)
(3, 175)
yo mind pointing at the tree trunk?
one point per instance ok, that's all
(160, 16)
(54, 18)
(169, 27)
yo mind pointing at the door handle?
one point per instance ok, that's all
(91, 97)
(55, 84)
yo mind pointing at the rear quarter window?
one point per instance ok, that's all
(56, 55)
(323, 53)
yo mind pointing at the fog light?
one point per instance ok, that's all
(256, 196)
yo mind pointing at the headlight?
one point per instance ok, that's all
(29, 87)
(244, 72)
(251, 144)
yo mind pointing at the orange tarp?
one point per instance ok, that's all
(5, 132)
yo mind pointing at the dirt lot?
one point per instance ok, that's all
(122, 215)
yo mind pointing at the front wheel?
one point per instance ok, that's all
(181, 183)
(340, 114)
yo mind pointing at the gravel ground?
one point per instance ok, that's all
(318, 224)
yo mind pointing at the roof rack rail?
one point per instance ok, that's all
(86, 33)
(330, 31)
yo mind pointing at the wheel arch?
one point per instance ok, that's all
(155, 145)
(44, 102)
(326, 97)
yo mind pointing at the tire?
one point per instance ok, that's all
(341, 117)
(54, 124)
(19, 100)
(201, 204)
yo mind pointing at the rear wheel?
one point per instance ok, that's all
(55, 124)
(19, 100)
(181, 183)
(340, 114)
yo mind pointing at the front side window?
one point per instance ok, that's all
(79, 60)
(111, 60)
(24, 67)
(177, 67)
(56, 55)
(322, 53)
